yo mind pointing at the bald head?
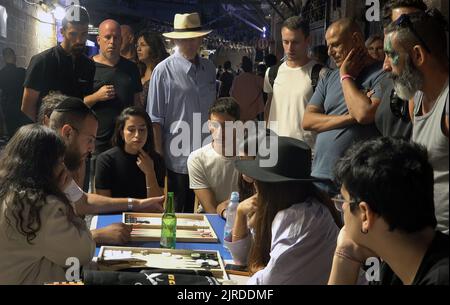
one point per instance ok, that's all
(127, 40)
(9, 56)
(345, 26)
(109, 39)
(108, 24)
(342, 36)
(126, 30)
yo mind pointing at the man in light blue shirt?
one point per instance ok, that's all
(182, 89)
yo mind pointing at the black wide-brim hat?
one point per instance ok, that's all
(293, 164)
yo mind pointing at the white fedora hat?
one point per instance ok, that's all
(187, 26)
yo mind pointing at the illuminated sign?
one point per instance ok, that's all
(3, 22)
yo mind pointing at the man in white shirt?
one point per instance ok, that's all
(212, 174)
(182, 88)
(293, 84)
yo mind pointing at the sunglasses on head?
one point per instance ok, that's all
(404, 21)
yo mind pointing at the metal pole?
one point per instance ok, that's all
(327, 15)
(276, 9)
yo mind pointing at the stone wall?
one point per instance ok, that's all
(30, 30)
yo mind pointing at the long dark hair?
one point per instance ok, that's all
(157, 48)
(246, 189)
(27, 178)
(272, 198)
(149, 146)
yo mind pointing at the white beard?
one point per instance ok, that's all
(408, 82)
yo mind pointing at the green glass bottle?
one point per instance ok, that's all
(169, 225)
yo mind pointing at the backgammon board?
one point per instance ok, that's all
(118, 258)
(190, 227)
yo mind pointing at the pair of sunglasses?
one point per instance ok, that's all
(399, 107)
(404, 21)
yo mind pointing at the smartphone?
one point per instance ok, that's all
(237, 269)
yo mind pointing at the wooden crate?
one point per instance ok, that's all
(190, 227)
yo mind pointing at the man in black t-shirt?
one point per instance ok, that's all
(226, 80)
(117, 82)
(62, 68)
(389, 216)
(128, 46)
(11, 81)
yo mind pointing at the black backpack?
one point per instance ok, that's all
(315, 74)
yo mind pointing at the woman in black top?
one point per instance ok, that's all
(132, 168)
(151, 51)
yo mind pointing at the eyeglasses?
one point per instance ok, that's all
(405, 21)
(339, 200)
(399, 107)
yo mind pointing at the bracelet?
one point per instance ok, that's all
(222, 212)
(345, 76)
(147, 187)
(130, 204)
(344, 255)
(238, 237)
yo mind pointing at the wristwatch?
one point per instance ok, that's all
(130, 204)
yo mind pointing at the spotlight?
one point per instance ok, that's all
(59, 13)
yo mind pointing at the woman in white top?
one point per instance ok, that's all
(39, 230)
(295, 227)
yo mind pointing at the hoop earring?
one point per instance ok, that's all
(364, 232)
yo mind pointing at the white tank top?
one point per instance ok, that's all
(427, 130)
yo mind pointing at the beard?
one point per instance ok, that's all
(77, 50)
(73, 158)
(409, 81)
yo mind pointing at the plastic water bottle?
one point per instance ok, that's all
(231, 215)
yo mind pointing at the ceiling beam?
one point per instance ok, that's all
(290, 6)
(259, 12)
(275, 8)
(181, 3)
(231, 10)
